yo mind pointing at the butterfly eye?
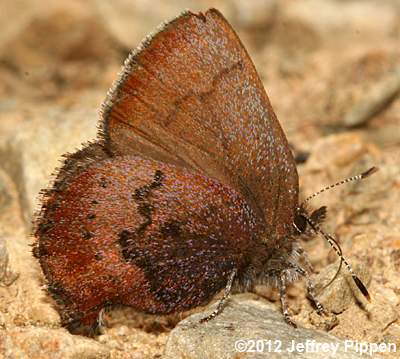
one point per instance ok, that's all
(300, 223)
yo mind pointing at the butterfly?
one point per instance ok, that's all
(189, 188)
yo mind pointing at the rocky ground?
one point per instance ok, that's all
(332, 72)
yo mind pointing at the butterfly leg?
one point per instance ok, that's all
(310, 284)
(310, 287)
(222, 302)
(282, 293)
(311, 293)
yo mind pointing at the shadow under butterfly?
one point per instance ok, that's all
(190, 187)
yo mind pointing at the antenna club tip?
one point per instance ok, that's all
(362, 288)
(369, 172)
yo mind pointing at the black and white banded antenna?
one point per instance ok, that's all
(360, 176)
(339, 252)
(334, 244)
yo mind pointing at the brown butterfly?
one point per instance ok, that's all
(190, 188)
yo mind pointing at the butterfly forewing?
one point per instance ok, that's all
(191, 96)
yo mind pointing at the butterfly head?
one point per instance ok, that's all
(304, 215)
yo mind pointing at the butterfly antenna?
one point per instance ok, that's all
(340, 254)
(334, 244)
(338, 251)
(360, 176)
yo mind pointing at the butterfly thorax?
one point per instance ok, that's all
(269, 260)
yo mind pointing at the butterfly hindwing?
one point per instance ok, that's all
(142, 233)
